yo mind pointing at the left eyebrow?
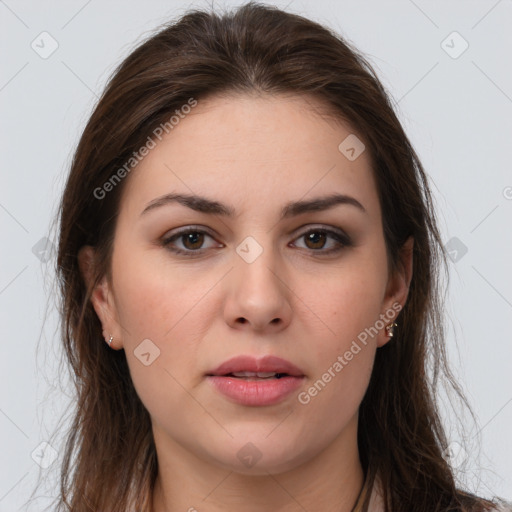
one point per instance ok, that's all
(291, 209)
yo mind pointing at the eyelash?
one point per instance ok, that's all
(343, 239)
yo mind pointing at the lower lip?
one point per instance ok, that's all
(255, 392)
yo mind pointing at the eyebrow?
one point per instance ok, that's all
(291, 209)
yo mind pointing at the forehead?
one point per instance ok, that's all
(254, 148)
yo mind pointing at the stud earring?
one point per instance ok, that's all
(110, 340)
(390, 329)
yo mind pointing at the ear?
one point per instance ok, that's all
(397, 289)
(102, 297)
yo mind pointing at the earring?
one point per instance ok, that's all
(390, 328)
(110, 340)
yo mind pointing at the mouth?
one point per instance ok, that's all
(248, 381)
(252, 368)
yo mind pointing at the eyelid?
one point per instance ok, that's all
(189, 228)
(178, 232)
(306, 228)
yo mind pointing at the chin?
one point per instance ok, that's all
(261, 457)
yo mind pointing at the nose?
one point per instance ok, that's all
(259, 297)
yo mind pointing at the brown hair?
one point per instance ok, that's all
(110, 461)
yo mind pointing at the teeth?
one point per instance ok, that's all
(261, 375)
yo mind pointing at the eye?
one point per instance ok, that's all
(192, 240)
(316, 238)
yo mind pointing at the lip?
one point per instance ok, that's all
(253, 364)
(256, 392)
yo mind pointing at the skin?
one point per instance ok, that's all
(255, 154)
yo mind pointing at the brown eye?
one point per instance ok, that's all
(193, 240)
(317, 239)
(188, 241)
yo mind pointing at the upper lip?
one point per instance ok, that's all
(253, 364)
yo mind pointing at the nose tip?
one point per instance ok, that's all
(259, 297)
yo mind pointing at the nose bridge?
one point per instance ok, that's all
(257, 262)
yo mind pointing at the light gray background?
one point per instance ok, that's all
(457, 112)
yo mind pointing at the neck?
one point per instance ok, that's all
(330, 481)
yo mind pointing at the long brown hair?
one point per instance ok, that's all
(110, 460)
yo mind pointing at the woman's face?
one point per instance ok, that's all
(253, 283)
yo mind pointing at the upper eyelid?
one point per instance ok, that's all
(306, 228)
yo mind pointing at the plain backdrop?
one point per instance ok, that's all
(447, 68)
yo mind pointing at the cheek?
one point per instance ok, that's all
(153, 299)
(340, 358)
(343, 334)
(346, 303)
(159, 314)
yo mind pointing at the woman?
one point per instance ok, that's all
(249, 266)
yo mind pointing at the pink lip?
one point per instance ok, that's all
(252, 364)
(260, 392)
